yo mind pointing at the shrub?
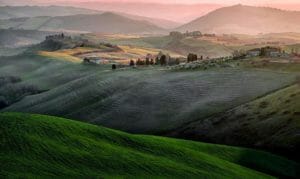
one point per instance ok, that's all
(9, 79)
(12, 93)
(3, 102)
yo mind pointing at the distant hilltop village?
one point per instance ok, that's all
(61, 36)
(62, 41)
(189, 34)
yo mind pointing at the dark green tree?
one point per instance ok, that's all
(131, 63)
(147, 61)
(163, 60)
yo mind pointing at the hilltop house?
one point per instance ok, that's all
(266, 52)
(93, 60)
(254, 52)
(271, 52)
(58, 37)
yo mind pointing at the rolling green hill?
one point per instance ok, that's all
(151, 100)
(43, 146)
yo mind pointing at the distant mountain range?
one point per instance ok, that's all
(179, 12)
(246, 20)
(8, 12)
(104, 23)
(167, 24)
(237, 19)
(173, 12)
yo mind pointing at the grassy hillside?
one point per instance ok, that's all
(271, 122)
(44, 146)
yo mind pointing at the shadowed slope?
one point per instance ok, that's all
(271, 122)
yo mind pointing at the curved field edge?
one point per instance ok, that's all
(44, 146)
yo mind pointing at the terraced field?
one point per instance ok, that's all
(144, 100)
(37, 146)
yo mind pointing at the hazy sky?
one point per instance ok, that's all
(254, 2)
(205, 1)
(175, 12)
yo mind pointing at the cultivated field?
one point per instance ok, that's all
(126, 53)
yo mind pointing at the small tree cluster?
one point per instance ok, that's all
(192, 57)
(9, 79)
(140, 62)
(13, 92)
(131, 63)
(148, 61)
(163, 60)
(178, 35)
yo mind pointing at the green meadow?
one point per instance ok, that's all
(34, 146)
